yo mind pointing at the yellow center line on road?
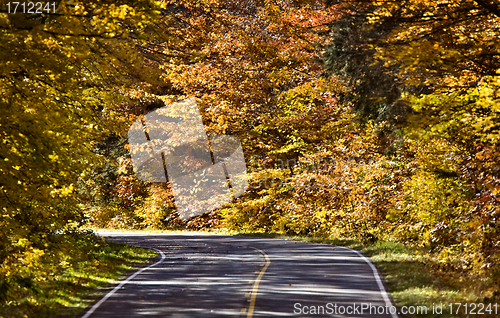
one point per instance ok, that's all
(256, 284)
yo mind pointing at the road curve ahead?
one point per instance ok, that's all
(232, 276)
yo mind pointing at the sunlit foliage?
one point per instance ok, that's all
(377, 120)
(61, 77)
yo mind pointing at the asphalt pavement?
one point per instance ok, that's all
(234, 276)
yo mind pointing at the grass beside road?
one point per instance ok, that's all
(413, 278)
(64, 289)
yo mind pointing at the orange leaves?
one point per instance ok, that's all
(234, 46)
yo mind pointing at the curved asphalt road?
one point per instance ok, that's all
(228, 276)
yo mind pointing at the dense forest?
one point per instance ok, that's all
(372, 120)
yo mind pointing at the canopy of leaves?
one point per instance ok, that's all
(365, 119)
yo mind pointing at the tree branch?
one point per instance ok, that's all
(490, 6)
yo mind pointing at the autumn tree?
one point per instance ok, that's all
(250, 64)
(443, 58)
(63, 74)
